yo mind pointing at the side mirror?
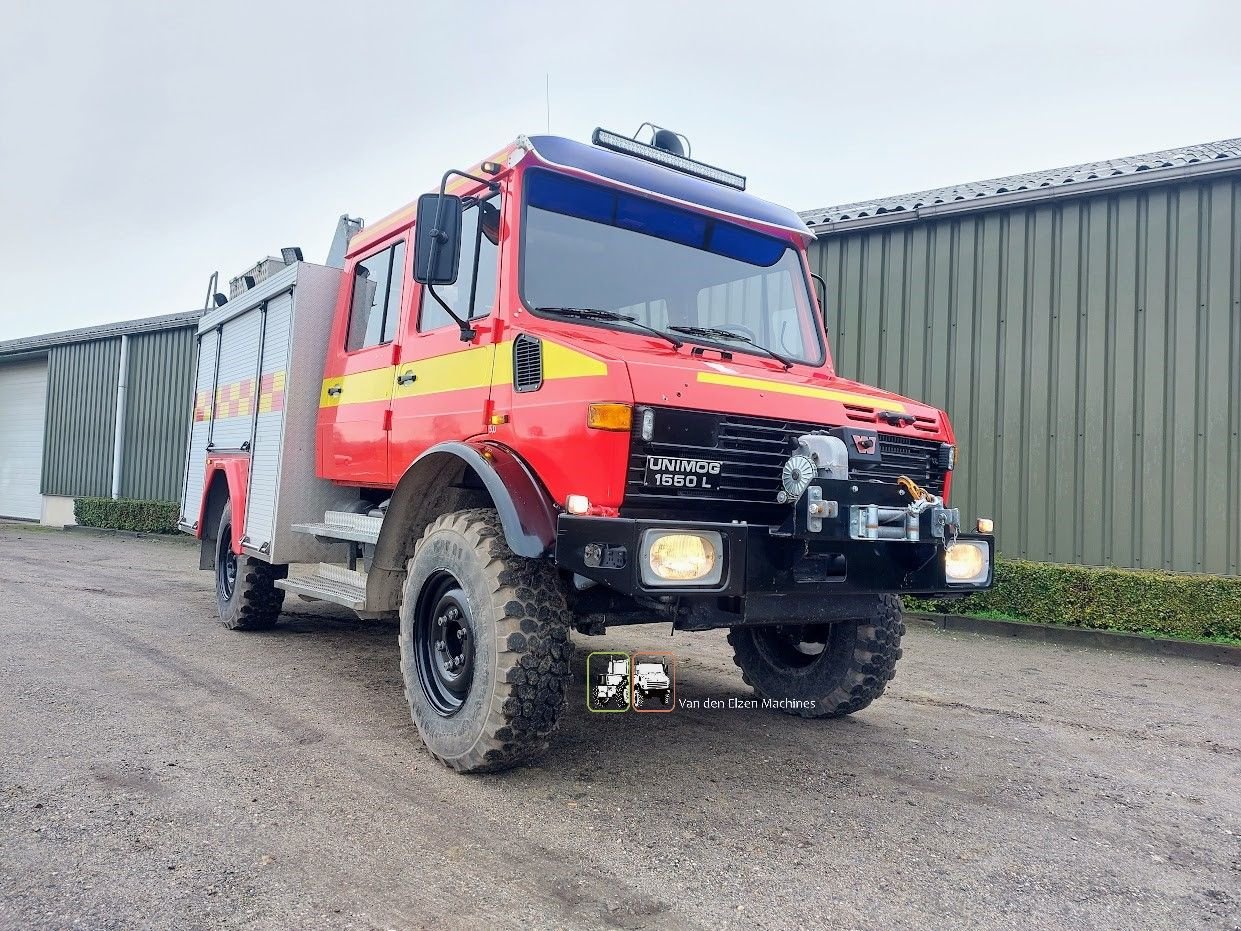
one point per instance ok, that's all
(437, 239)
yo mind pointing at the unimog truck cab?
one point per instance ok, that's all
(578, 386)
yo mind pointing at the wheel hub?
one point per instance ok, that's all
(793, 646)
(226, 565)
(444, 647)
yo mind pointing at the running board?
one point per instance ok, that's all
(342, 525)
(327, 582)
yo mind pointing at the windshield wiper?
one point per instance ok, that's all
(609, 316)
(713, 333)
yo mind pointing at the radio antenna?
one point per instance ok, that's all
(547, 98)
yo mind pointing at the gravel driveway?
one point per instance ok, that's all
(159, 771)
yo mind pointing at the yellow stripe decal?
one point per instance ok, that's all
(455, 371)
(358, 387)
(465, 369)
(803, 391)
(563, 362)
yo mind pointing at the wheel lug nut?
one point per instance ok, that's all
(441, 645)
(461, 635)
(440, 620)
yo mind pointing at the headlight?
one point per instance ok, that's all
(670, 557)
(967, 562)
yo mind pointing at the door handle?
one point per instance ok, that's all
(333, 391)
(405, 378)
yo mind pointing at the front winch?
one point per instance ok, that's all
(828, 505)
(816, 456)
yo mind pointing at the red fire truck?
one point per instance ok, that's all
(580, 385)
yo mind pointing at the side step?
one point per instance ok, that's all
(342, 525)
(327, 582)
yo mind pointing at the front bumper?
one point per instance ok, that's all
(810, 567)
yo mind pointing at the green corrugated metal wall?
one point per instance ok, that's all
(81, 415)
(1088, 352)
(157, 414)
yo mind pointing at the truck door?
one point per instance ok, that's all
(443, 385)
(356, 398)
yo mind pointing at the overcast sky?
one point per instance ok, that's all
(145, 145)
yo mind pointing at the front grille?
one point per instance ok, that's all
(752, 450)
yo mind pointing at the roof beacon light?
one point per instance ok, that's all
(661, 155)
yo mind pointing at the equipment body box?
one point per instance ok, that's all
(256, 395)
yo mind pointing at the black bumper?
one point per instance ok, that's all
(768, 575)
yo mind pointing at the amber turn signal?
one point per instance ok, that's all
(609, 417)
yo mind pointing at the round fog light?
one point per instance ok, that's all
(681, 557)
(966, 562)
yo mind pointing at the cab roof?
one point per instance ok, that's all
(648, 176)
(628, 170)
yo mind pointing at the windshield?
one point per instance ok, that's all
(651, 668)
(585, 246)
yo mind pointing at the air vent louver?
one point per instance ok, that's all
(527, 363)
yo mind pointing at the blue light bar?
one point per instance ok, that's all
(618, 143)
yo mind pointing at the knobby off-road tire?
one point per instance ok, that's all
(639, 699)
(841, 668)
(245, 588)
(484, 645)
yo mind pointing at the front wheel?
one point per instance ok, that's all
(822, 670)
(484, 645)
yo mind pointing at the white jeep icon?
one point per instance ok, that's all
(651, 684)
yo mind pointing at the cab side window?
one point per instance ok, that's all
(476, 280)
(375, 309)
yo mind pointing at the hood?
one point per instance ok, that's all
(755, 386)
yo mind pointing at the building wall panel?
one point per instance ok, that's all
(157, 414)
(1088, 352)
(81, 418)
(81, 415)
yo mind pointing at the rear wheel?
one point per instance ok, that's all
(822, 670)
(245, 588)
(484, 645)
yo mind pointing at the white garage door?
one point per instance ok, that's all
(23, 403)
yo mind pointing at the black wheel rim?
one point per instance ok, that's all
(444, 644)
(794, 646)
(226, 565)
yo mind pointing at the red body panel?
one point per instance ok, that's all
(235, 468)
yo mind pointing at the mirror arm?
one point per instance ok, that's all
(823, 301)
(468, 333)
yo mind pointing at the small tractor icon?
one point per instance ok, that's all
(611, 688)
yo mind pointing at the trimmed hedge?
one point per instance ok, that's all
(127, 514)
(1134, 600)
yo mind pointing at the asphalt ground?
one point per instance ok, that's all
(158, 771)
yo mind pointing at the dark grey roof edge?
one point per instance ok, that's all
(27, 344)
(1208, 158)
